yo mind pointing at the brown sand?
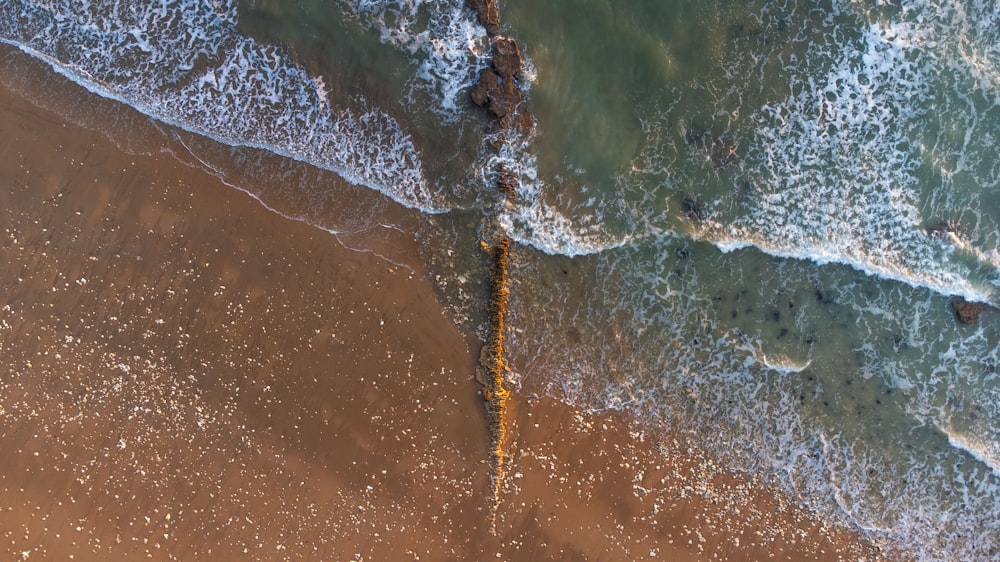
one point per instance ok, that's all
(186, 375)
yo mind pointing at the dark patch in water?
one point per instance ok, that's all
(695, 135)
(573, 335)
(694, 209)
(943, 228)
(899, 343)
(990, 366)
(774, 316)
(744, 28)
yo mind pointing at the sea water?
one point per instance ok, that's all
(746, 221)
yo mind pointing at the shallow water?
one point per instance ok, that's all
(744, 221)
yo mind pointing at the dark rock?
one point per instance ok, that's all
(695, 135)
(967, 312)
(507, 182)
(694, 209)
(507, 59)
(946, 228)
(480, 92)
(489, 15)
(497, 88)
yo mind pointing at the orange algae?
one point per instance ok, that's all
(492, 369)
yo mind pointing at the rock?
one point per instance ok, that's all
(507, 58)
(499, 93)
(947, 229)
(489, 15)
(497, 87)
(480, 93)
(967, 312)
(507, 182)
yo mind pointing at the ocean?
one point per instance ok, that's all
(746, 223)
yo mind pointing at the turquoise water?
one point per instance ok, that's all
(745, 221)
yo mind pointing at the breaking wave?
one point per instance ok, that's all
(184, 63)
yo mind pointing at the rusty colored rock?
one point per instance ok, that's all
(507, 182)
(489, 15)
(967, 312)
(492, 370)
(507, 58)
(498, 94)
(480, 93)
(497, 88)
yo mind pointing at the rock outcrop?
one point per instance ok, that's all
(489, 15)
(498, 87)
(498, 90)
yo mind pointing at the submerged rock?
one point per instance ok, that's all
(967, 312)
(694, 208)
(722, 152)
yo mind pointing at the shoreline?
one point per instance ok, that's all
(187, 375)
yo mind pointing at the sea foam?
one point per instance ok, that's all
(834, 171)
(448, 45)
(184, 63)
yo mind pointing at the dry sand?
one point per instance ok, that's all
(187, 375)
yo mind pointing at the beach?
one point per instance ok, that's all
(189, 375)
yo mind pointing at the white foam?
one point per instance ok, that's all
(834, 170)
(963, 35)
(448, 44)
(537, 217)
(984, 452)
(185, 64)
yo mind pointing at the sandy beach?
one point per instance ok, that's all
(188, 375)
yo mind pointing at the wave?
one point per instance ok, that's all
(546, 219)
(963, 36)
(948, 285)
(982, 451)
(834, 177)
(185, 64)
(449, 46)
(642, 329)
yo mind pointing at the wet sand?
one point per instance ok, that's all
(187, 375)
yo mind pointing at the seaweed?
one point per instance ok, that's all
(492, 369)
